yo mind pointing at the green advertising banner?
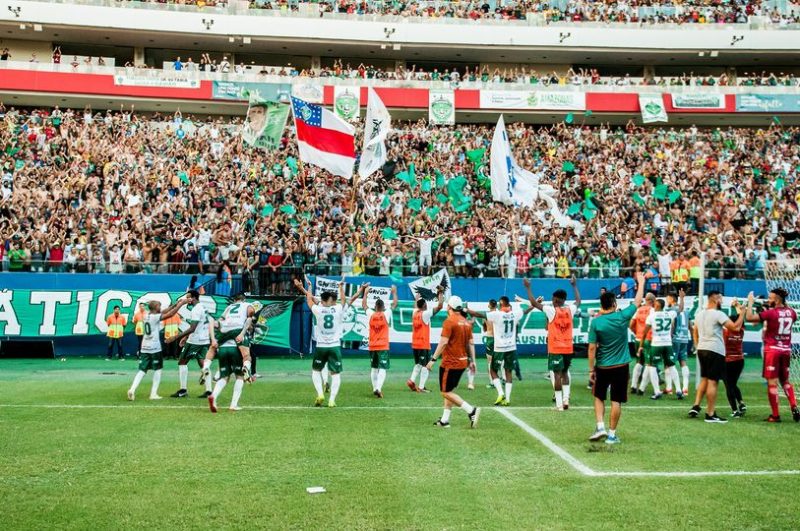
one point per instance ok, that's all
(242, 90)
(35, 313)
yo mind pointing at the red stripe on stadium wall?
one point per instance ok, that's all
(77, 83)
(468, 99)
(326, 139)
(612, 102)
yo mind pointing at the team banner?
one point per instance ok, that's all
(697, 100)
(309, 92)
(373, 292)
(533, 99)
(47, 313)
(241, 91)
(441, 107)
(652, 107)
(164, 80)
(428, 287)
(347, 102)
(774, 103)
(265, 122)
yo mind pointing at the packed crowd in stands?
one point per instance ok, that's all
(121, 192)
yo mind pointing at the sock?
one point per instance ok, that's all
(207, 364)
(137, 380)
(496, 384)
(470, 377)
(183, 376)
(601, 426)
(508, 391)
(668, 378)
(654, 380)
(565, 389)
(612, 433)
(789, 390)
(316, 379)
(220, 385)
(216, 375)
(466, 407)
(238, 385)
(325, 373)
(336, 381)
(685, 374)
(423, 377)
(415, 372)
(645, 372)
(552, 379)
(560, 399)
(446, 416)
(772, 394)
(373, 374)
(637, 372)
(676, 379)
(209, 385)
(381, 378)
(156, 381)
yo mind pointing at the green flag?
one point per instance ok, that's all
(660, 192)
(674, 196)
(475, 156)
(439, 179)
(433, 212)
(415, 204)
(589, 214)
(385, 203)
(573, 209)
(441, 198)
(638, 199)
(779, 183)
(265, 122)
(408, 176)
(426, 185)
(292, 163)
(568, 166)
(388, 234)
(569, 118)
(289, 210)
(587, 113)
(184, 177)
(455, 193)
(638, 179)
(267, 210)
(654, 246)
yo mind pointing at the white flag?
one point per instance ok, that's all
(427, 287)
(652, 108)
(376, 128)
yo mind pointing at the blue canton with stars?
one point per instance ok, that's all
(307, 112)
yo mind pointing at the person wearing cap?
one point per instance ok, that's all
(457, 351)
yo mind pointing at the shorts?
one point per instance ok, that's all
(330, 355)
(776, 364)
(151, 361)
(488, 342)
(615, 378)
(504, 358)
(559, 362)
(230, 362)
(224, 337)
(425, 260)
(664, 354)
(712, 365)
(192, 352)
(380, 359)
(422, 356)
(459, 261)
(449, 378)
(641, 360)
(681, 351)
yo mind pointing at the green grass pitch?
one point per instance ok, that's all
(75, 454)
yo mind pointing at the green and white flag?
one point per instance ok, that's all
(441, 107)
(376, 129)
(652, 107)
(347, 102)
(265, 123)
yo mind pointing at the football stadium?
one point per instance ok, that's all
(383, 264)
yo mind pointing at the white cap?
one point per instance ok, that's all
(454, 302)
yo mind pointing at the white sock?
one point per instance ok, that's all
(552, 379)
(316, 379)
(685, 373)
(466, 407)
(209, 385)
(336, 381)
(601, 426)
(612, 433)
(156, 382)
(415, 372)
(559, 399)
(218, 388)
(137, 380)
(637, 373)
(446, 416)
(381, 378)
(325, 373)
(423, 376)
(498, 386)
(470, 377)
(374, 377)
(217, 375)
(565, 389)
(675, 378)
(508, 391)
(238, 385)
(654, 380)
(645, 378)
(183, 376)
(207, 364)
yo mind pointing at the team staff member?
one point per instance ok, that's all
(421, 340)
(116, 325)
(638, 325)
(457, 350)
(172, 329)
(609, 360)
(734, 363)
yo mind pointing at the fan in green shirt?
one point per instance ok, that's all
(535, 264)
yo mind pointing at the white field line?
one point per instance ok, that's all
(579, 466)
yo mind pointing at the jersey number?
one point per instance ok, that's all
(147, 329)
(508, 327)
(327, 322)
(784, 326)
(663, 325)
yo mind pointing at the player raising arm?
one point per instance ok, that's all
(200, 336)
(421, 339)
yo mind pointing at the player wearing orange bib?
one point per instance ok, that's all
(638, 325)
(560, 318)
(421, 340)
(379, 321)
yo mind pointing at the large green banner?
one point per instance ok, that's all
(40, 313)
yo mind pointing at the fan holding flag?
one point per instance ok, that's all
(324, 139)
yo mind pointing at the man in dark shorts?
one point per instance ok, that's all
(609, 360)
(457, 350)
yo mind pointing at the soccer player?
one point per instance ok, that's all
(637, 326)
(734, 363)
(609, 360)
(661, 323)
(778, 320)
(234, 323)
(231, 363)
(196, 341)
(560, 317)
(457, 350)
(680, 337)
(504, 323)
(151, 358)
(328, 353)
(421, 340)
(707, 331)
(379, 322)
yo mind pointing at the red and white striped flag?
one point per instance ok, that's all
(324, 139)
